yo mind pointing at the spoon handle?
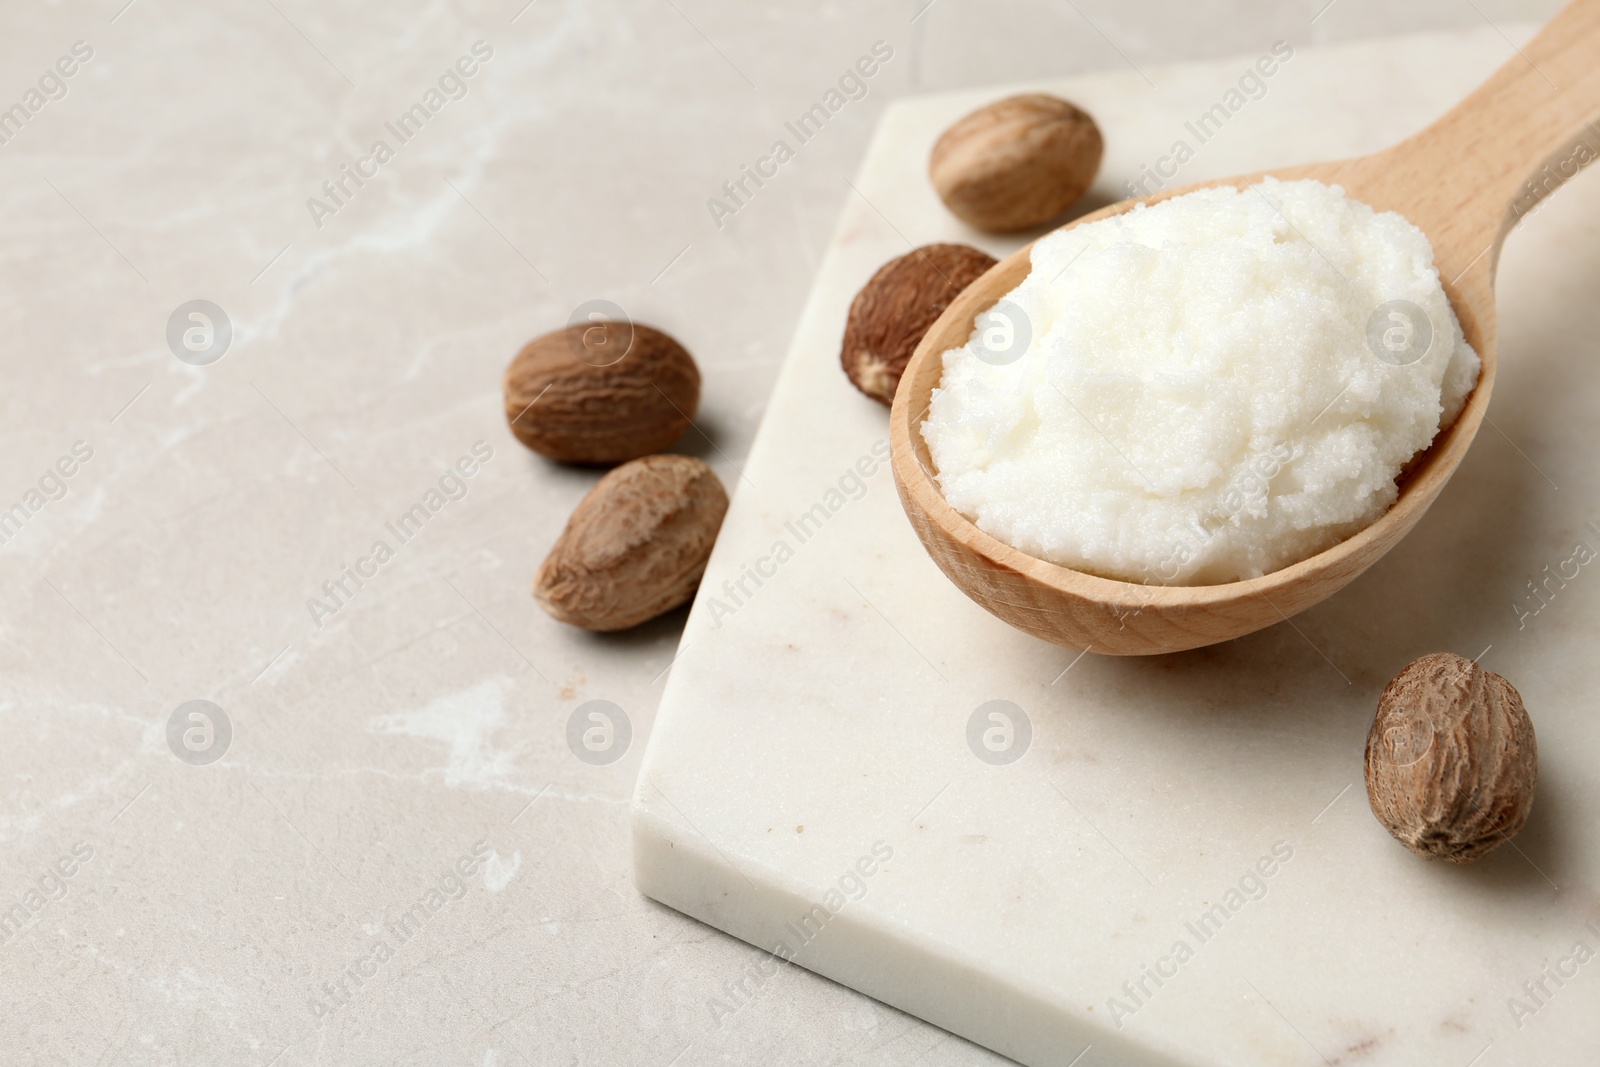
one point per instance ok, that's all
(1468, 178)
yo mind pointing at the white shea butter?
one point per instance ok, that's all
(1204, 390)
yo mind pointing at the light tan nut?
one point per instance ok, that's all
(636, 546)
(602, 392)
(895, 308)
(1016, 163)
(1451, 759)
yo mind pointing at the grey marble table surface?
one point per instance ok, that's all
(372, 844)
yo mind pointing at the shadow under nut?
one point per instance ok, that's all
(577, 411)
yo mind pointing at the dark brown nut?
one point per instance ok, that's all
(895, 308)
(635, 546)
(1451, 759)
(1016, 163)
(602, 392)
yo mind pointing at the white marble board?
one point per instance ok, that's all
(810, 757)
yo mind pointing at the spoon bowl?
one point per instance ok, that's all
(1464, 181)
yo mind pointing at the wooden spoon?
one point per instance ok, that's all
(1464, 181)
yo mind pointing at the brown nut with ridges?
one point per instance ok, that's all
(635, 546)
(602, 392)
(1016, 163)
(895, 308)
(1451, 759)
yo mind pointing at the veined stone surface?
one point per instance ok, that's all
(214, 908)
